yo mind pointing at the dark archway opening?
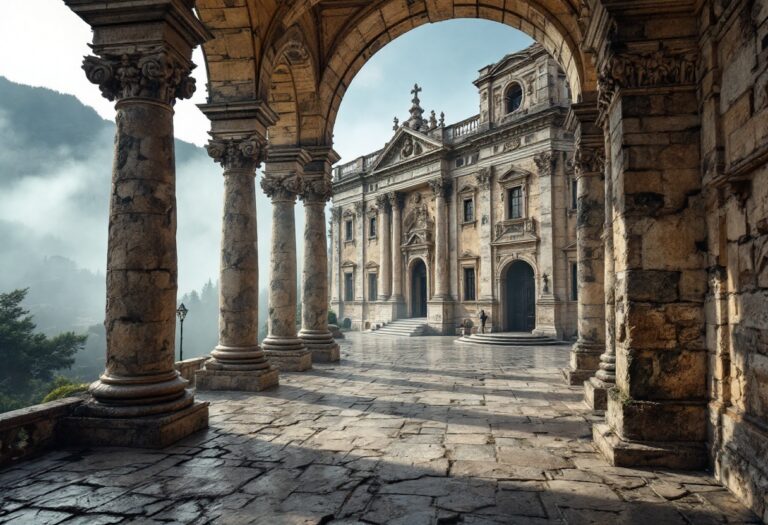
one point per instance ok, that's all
(519, 298)
(419, 289)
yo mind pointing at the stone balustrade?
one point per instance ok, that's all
(32, 430)
(462, 129)
(189, 367)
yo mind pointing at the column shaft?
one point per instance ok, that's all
(385, 250)
(397, 257)
(440, 187)
(314, 311)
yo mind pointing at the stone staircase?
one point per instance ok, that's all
(403, 327)
(509, 339)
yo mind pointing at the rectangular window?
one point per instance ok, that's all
(469, 284)
(349, 287)
(469, 210)
(574, 282)
(516, 203)
(348, 234)
(373, 286)
(574, 194)
(372, 227)
(459, 162)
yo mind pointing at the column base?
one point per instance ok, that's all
(440, 316)
(140, 432)
(596, 394)
(320, 342)
(291, 361)
(622, 453)
(243, 381)
(584, 362)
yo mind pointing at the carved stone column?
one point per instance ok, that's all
(440, 308)
(144, 65)
(282, 183)
(237, 362)
(335, 258)
(316, 192)
(396, 203)
(657, 413)
(485, 218)
(385, 250)
(588, 163)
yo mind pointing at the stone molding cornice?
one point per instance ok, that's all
(243, 153)
(239, 118)
(316, 190)
(149, 73)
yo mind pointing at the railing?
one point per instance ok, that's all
(464, 128)
(358, 165)
(370, 159)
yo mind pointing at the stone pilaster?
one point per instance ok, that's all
(360, 242)
(143, 63)
(546, 301)
(335, 258)
(237, 362)
(282, 183)
(656, 414)
(385, 250)
(316, 192)
(588, 163)
(440, 307)
(396, 203)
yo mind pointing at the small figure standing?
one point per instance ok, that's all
(483, 319)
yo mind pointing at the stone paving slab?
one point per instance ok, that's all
(414, 432)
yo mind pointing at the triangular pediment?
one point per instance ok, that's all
(406, 145)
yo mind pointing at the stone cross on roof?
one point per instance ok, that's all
(416, 121)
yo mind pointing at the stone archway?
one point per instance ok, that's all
(418, 289)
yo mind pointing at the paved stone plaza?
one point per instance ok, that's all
(401, 431)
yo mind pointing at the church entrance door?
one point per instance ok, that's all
(419, 290)
(520, 301)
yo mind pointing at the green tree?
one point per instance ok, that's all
(30, 359)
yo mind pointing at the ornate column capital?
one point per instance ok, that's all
(237, 152)
(359, 207)
(284, 188)
(588, 160)
(150, 72)
(484, 177)
(335, 214)
(440, 187)
(382, 203)
(545, 162)
(395, 200)
(316, 190)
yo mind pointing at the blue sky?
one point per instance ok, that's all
(443, 58)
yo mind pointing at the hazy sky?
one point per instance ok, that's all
(42, 44)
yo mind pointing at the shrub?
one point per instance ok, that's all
(332, 318)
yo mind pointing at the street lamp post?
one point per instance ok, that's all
(181, 312)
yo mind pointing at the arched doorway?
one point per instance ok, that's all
(519, 298)
(419, 289)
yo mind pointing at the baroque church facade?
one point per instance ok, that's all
(449, 220)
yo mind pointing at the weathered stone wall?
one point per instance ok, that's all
(734, 105)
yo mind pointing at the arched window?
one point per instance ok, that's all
(514, 97)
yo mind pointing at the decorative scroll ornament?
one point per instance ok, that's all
(644, 70)
(316, 190)
(359, 206)
(278, 187)
(440, 187)
(336, 214)
(484, 178)
(242, 153)
(545, 162)
(152, 73)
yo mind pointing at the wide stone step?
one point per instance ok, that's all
(509, 339)
(403, 328)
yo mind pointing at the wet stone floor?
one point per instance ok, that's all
(403, 431)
